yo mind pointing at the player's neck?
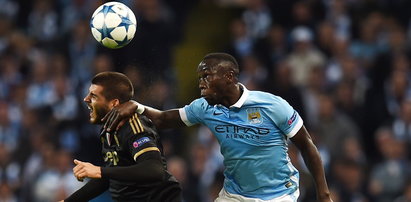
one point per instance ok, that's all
(234, 95)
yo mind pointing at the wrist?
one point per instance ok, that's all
(102, 172)
(140, 108)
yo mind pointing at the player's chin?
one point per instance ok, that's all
(209, 100)
(95, 120)
(92, 120)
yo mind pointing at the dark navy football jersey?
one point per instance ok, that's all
(135, 142)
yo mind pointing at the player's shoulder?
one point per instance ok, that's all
(199, 103)
(137, 124)
(262, 94)
(265, 97)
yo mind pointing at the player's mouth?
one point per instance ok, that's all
(203, 92)
(91, 109)
(205, 95)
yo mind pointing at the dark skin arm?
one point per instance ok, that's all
(161, 119)
(313, 161)
(171, 119)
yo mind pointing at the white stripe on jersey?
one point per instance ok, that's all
(296, 128)
(183, 117)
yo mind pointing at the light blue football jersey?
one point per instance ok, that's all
(253, 136)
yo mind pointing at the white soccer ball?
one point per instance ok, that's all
(113, 24)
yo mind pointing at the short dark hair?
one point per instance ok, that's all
(224, 57)
(115, 86)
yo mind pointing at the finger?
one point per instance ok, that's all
(80, 179)
(107, 124)
(77, 170)
(112, 119)
(114, 122)
(77, 161)
(78, 167)
(122, 122)
(114, 113)
(107, 117)
(82, 173)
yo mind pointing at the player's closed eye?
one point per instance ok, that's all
(93, 96)
(204, 78)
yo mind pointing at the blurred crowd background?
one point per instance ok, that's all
(344, 65)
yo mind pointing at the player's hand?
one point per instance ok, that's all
(84, 169)
(116, 118)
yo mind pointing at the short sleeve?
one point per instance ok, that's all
(140, 137)
(285, 117)
(141, 144)
(192, 114)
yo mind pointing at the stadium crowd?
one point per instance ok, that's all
(343, 64)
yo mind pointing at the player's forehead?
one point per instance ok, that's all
(208, 65)
(95, 89)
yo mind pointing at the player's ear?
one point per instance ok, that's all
(114, 103)
(229, 75)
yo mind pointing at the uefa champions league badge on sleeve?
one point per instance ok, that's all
(292, 119)
(140, 142)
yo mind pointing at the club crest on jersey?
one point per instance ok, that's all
(254, 116)
(140, 142)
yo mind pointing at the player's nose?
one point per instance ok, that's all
(202, 84)
(86, 99)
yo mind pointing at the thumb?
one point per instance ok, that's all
(76, 161)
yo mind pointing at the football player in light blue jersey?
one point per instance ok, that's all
(252, 128)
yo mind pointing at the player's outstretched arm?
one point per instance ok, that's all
(313, 161)
(161, 119)
(92, 189)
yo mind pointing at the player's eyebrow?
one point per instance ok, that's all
(93, 94)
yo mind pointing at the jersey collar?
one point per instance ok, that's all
(243, 97)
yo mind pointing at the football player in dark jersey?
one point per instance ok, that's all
(135, 168)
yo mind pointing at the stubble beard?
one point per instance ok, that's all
(99, 113)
